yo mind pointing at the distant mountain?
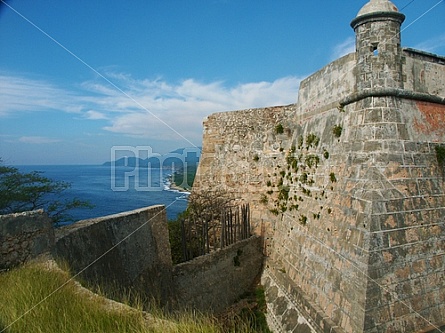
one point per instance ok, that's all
(135, 161)
(174, 159)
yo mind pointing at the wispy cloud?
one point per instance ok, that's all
(432, 44)
(184, 105)
(146, 106)
(37, 140)
(22, 94)
(95, 115)
(345, 47)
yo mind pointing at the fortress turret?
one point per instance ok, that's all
(379, 55)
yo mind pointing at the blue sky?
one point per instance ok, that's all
(79, 77)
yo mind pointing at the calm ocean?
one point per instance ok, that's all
(115, 192)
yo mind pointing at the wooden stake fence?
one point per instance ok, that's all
(201, 237)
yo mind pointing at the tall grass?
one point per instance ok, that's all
(31, 301)
(36, 299)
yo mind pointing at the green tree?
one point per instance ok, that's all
(21, 192)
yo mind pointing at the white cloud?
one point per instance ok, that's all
(343, 48)
(433, 44)
(37, 140)
(154, 109)
(172, 111)
(95, 115)
(21, 94)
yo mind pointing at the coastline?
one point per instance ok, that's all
(174, 187)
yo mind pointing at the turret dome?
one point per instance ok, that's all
(377, 10)
(375, 6)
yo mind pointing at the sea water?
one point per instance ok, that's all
(114, 191)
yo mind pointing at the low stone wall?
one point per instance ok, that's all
(24, 236)
(121, 252)
(214, 281)
(130, 251)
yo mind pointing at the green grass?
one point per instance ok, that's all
(32, 300)
(37, 299)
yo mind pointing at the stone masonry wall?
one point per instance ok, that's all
(121, 252)
(424, 76)
(406, 223)
(317, 254)
(131, 251)
(24, 236)
(337, 240)
(216, 280)
(239, 150)
(322, 90)
(285, 160)
(352, 200)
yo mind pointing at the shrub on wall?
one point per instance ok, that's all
(279, 129)
(336, 130)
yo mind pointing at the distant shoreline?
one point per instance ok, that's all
(173, 186)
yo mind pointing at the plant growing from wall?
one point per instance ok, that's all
(336, 130)
(440, 155)
(264, 200)
(298, 175)
(325, 154)
(283, 194)
(303, 219)
(300, 141)
(292, 162)
(279, 129)
(312, 160)
(312, 140)
(294, 207)
(303, 178)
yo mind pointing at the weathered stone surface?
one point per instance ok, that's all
(24, 236)
(130, 251)
(123, 251)
(212, 282)
(351, 200)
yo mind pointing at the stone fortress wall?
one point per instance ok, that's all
(120, 252)
(130, 252)
(23, 237)
(348, 185)
(216, 280)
